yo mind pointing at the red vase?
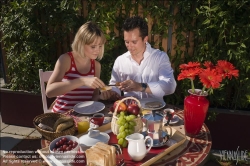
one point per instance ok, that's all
(195, 111)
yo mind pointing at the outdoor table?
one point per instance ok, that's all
(194, 151)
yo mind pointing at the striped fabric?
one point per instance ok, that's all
(69, 100)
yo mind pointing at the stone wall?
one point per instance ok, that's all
(20, 108)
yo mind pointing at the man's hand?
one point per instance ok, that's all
(130, 85)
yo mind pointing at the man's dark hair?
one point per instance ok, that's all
(136, 22)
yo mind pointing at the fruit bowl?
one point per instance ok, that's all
(115, 126)
(64, 148)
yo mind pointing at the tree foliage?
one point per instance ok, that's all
(36, 32)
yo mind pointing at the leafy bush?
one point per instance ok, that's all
(36, 32)
(33, 31)
(222, 31)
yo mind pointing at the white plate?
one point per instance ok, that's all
(174, 120)
(89, 107)
(86, 141)
(146, 100)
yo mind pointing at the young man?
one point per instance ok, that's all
(143, 72)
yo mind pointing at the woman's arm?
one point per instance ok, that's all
(57, 87)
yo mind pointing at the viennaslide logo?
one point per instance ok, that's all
(234, 155)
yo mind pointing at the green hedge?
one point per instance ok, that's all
(36, 32)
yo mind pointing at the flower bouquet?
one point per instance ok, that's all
(210, 75)
(196, 105)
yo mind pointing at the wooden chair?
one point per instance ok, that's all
(44, 77)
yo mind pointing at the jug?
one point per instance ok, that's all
(154, 128)
(137, 146)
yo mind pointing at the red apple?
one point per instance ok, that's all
(130, 101)
(121, 107)
(133, 109)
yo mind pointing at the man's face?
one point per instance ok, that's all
(134, 42)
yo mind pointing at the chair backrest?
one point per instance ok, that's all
(44, 77)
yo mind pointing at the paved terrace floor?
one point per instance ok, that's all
(12, 135)
(17, 140)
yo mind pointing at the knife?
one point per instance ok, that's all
(116, 84)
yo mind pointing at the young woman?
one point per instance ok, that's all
(76, 76)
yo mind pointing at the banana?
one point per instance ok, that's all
(61, 120)
(64, 126)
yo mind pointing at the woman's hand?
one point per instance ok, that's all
(93, 82)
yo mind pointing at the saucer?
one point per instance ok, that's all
(107, 120)
(174, 120)
(93, 137)
(156, 142)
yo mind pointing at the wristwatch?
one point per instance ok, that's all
(144, 86)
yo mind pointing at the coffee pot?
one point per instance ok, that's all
(154, 128)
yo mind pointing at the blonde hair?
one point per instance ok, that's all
(86, 35)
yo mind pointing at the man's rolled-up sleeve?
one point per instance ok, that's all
(166, 84)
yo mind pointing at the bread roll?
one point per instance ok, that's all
(63, 126)
(62, 120)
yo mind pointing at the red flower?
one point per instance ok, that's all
(209, 65)
(226, 69)
(210, 78)
(190, 65)
(189, 73)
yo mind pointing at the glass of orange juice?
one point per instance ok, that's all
(83, 126)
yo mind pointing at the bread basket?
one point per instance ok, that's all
(49, 119)
(138, 121)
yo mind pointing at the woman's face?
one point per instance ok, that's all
(94, 49)
(134, 43)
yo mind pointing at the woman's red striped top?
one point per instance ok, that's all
(69, 100)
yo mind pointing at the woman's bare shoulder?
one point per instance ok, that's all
(63, 62)
(64, 57)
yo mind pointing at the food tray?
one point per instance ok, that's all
(155, 154)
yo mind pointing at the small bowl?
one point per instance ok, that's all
(65, 157)
(93, 136)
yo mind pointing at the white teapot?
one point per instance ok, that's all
(137, 146)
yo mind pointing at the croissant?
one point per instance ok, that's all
(64, 126)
